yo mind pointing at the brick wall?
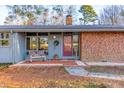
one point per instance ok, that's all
(68, 20)
(102, 46)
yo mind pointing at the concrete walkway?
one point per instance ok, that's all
(104, 64)
(81, 63)
(80, 71)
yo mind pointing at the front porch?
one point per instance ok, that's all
(39, 44)
(53, 45)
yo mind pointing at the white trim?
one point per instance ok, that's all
(33, 65)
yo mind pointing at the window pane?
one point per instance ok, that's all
(43, 43)
(4, 42)
(67, 33)
(33, 45)
(75, 38)
(28, 43)
(2, 35)
(42, 34)
(55, 33)
(7, 35)
(31, 34)
(0, 42)
(75, 45)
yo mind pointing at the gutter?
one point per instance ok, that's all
(66, 30)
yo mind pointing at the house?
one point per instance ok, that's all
(86, 43)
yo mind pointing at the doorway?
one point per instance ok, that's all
(55, 46)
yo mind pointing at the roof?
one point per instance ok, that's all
(62, 28)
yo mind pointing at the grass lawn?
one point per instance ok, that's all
(50, 77)
(4, 65)
(119, 70)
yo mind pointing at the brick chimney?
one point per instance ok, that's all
(68, 20)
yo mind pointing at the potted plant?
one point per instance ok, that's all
(55, 56)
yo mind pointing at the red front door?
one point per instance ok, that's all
(67, 46)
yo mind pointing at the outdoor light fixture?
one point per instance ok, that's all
(54, 37)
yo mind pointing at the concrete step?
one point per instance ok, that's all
(78, 71)
(80, 63)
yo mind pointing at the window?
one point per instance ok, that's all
(31, 43)
(39, 42)
(71, 44)
(28, 43)
(43, 43)
(4, 39)
(75, 45)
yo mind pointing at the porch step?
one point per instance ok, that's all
(80, 63)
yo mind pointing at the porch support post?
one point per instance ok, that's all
(13, 48)
(48, 46)
(37, 41)
(62, 45)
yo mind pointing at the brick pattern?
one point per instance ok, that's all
(69, 20)
(102, 46)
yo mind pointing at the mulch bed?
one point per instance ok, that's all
(49, 77)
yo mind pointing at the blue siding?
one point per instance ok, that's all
(19, 42)
(6, 53)
(18, 50)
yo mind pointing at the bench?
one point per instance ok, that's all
(36, 55)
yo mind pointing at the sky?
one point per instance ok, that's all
(4, 12)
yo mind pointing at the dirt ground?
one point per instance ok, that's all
(44, 77)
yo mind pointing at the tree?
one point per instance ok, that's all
(27, 13)
(44, 17)
(88, 14)
(9, 19)
(111, 15)
(60, 12)
(59, 9)
(71, 10)
(57, 14)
